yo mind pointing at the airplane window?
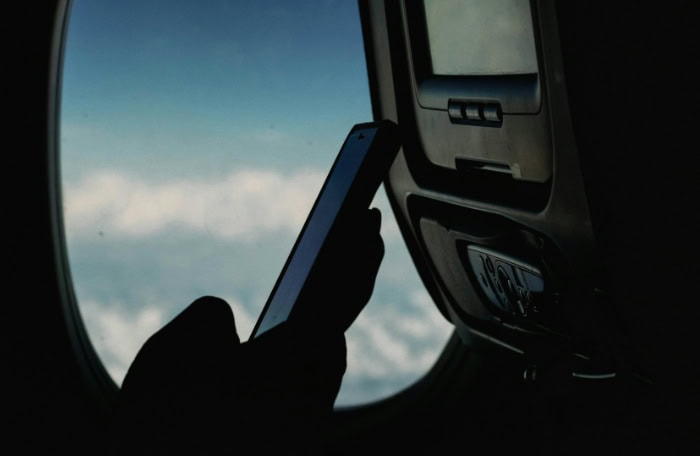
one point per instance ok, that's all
(194, 138)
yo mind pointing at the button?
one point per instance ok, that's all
(483, 262)
(506, 283)
(472, 111)
(484, 280)
(455, 110)
(498, 286)
(492, 113)
(489, 265)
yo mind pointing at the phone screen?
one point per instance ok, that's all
(351, 183)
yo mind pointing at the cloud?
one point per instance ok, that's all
(399, 342)
(244, 205)
(117, 333)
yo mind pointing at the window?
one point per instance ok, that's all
(194, 138)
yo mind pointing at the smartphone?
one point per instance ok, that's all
(357, 172)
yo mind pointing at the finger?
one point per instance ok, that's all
(375, 217)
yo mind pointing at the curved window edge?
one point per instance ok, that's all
(438, 381)
(98, 381)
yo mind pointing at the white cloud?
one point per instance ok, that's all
(428, 323)
(117, 334)
(399, 343)
(244, 205)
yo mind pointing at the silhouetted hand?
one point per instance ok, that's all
(194, 388)
(343, 278)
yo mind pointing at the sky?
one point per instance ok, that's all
(194, 139)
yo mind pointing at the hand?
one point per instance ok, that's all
(343, 278)
(195, 389)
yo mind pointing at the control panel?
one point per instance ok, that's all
(513, 286)
(475, 113)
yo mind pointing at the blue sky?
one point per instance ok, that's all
(214, 74)
(194, 138)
